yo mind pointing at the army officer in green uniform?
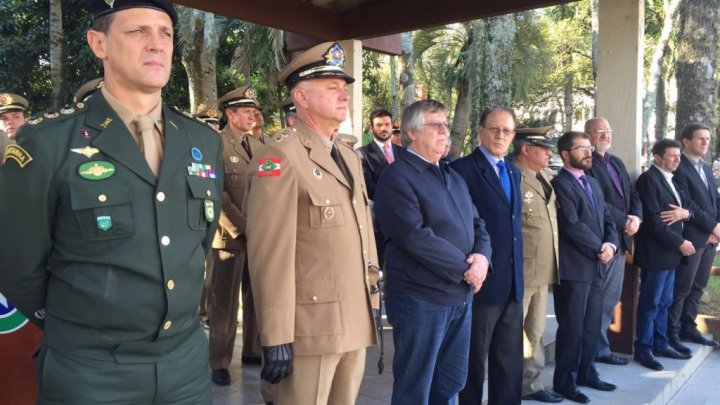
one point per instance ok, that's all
(116, 218)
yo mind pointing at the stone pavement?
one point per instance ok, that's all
(683, 382)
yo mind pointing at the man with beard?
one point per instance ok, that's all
(375, 157)
(588, 242)
(379, 153)
(624, 206)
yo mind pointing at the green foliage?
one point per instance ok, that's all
(375, 84)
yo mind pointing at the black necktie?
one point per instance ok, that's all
(340, 164)
(546, 187)
(246, 145)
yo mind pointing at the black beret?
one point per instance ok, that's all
(100, 8)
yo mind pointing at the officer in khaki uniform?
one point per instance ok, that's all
(310, 241)
(228, 258)
(87, 90)
(117, 219)
(531, 153)
(210, 116)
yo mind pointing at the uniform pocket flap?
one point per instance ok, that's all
(203, 188)
(318, 291)
(319, 201)
(83, 197)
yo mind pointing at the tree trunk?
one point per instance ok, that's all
(660, 107)
(56, 54)
(568, 96)
(696, 65)
(594, 8)
(499, 39)
(461, 116)
(407, 79)
(393, 87)
(199, 56)
(656, 66)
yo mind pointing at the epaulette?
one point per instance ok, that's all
(187, 115)
(281, 135)
(347, 140)
(57, 116)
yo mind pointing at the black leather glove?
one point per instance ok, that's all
(277, 363)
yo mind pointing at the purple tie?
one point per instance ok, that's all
(586, 187)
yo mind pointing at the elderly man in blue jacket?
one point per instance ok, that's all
(436, 257)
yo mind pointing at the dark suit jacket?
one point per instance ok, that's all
(503, 221)
(618, 206)
(702, 201)
(431, 226)
(373, 163)
(583, 228)
(656, 246)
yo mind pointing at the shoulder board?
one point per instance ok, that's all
(281, 135)
(57, 116)
(187, 115)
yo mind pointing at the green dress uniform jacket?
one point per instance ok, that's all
(310, 239)
(104, 256)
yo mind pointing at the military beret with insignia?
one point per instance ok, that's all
(323, 60)
(240, 97)
(100, 8)
(88, 89)
(12, 102)
(535, 136)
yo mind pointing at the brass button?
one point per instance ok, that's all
(170, 285)
(160, 196)
(102, 198)
(167, 325)
(314, 298)
(360, 226)
(165, 240)
(354, 202)
(327, 201)
(209, 193)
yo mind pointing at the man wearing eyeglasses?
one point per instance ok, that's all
(497, 319)
(588, 242)
(624, 206)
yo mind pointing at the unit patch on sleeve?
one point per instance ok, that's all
(269, 166)
(18, 154)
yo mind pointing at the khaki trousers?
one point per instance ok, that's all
(534, 315)
(323, 379)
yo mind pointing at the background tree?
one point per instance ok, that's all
(56, 54)
(696, 66)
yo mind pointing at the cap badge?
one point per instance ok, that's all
(249, 92)
(335, 56)
(212, 113)
(110, 3)
(6, 99)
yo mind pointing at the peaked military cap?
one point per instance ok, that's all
(100, 8)
(240, 97)
(288, 105)
(323, 60)
(210, 115)
(12, 102)
(535, 136)
(88, 89)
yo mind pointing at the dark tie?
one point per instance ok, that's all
(586, 187)
(340, 164)
(546, 187)
(504, 178)
(246, 145)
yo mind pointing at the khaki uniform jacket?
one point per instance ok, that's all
(231, 226)
(539, 229)
(310, 238)
(114, 255)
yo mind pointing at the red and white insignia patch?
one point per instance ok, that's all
(269, 166)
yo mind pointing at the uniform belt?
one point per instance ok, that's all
(91, 343)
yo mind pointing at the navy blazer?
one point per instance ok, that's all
(702, 201)
(583, 228)
(657, 243)
(374, 163)
(431, 227)
(620, 207)
(503, 221)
